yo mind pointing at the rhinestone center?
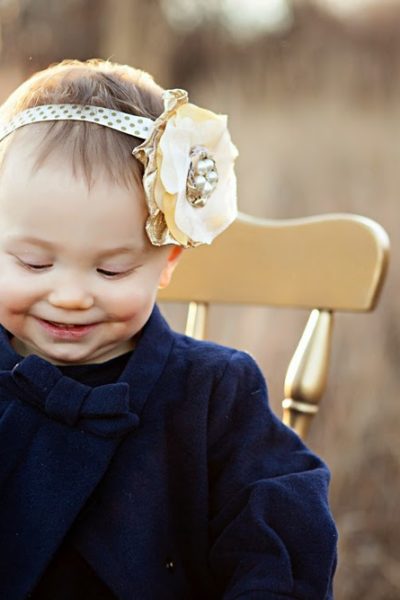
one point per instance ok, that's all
(202, 177)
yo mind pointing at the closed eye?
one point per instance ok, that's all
(113, 274)
(34, 267)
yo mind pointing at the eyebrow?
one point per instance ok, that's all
(30, 240)
(121, 250)
(49, 246)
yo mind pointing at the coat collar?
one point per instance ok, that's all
(148, 360)
(53, 465)
(42, 384)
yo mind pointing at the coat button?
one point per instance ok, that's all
(170, 565)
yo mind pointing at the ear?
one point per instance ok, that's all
(172, 260)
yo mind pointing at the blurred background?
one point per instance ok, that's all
(312, 90)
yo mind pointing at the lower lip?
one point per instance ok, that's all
(66, 333)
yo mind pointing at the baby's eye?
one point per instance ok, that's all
(113, 274)
(34, 266)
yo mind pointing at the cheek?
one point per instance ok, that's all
(129, 300)
(16, 293)
(15, 302)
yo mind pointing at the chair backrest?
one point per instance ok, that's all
(325, 263)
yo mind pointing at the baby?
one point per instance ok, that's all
(136, 463)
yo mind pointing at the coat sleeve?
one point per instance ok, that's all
(272, 533)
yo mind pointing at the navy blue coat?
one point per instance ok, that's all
(180, 482)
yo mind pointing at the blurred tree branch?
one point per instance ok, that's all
(135, 32)
(38, 32)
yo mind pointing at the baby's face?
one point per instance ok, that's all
(78, 276)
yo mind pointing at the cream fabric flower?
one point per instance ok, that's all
(189, 178)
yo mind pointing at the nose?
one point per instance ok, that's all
(71, 296)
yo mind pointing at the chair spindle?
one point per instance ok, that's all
(306, 376)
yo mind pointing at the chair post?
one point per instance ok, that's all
(307, 373)
(196, 322)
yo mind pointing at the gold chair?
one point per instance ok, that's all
(325, 263)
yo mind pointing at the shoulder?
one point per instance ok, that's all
(223, 361)
(209, 352)
(198, 363)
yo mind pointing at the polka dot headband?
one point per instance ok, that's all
(188, 159)
(139, 127)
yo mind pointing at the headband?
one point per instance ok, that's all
(188, 157)
(138, 126)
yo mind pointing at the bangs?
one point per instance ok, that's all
(88, 149)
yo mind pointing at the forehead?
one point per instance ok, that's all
(53, 200)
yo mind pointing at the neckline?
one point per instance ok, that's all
(143, 368)
(95, 374)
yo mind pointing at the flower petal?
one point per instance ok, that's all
(175, 148)
(166, 156)
(203, 224)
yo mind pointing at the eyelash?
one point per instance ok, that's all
(35, 267)
(112, 274)
(104, 272)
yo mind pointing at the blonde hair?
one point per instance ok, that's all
(88, 146)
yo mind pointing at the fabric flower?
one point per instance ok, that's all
(189, 177)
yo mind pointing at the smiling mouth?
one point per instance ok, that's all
(66, 330)
(67, 325)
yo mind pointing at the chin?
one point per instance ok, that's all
(64, 357)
